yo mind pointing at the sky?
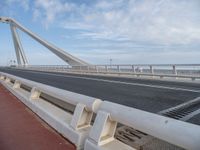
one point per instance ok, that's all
(126, 31)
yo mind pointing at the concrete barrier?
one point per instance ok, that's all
(176, 132)
(74, 126)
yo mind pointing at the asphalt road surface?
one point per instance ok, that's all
(145, 94)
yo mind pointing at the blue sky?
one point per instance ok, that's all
(128, 31)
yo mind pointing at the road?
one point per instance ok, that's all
(146, 94)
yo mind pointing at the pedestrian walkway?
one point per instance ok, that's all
(21, 129)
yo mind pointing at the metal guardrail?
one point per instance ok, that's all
(76, 125)
(184, 71)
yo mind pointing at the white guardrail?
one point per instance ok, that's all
(71, 115)
(177, 71)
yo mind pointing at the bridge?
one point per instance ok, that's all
(102, 107)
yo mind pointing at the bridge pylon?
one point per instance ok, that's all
(20, 54)
(21, 57)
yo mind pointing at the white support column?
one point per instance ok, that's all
(16, 46)
(21, 58)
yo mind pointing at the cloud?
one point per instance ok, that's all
(140, 57)
(50, 10)
(9, 7)
(43, 58)
(156, 21)
(23, 3)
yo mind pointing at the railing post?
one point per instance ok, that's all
(118, 68)
(193, 78)
(96, 68)
(103, 129)
(17, 84)
(81, 117)
(174, 70)
(2, 77)
(106, 67)
(35, 94)
(62, 68)
(133, 68)
(151, 69)
(80, 68)
(7, 80)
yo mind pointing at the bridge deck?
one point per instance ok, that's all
(20, 129)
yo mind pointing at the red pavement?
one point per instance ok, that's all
(20, 129)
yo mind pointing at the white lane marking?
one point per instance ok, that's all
(117, 82)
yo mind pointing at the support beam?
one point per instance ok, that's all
(21, 58)
(16, 47)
